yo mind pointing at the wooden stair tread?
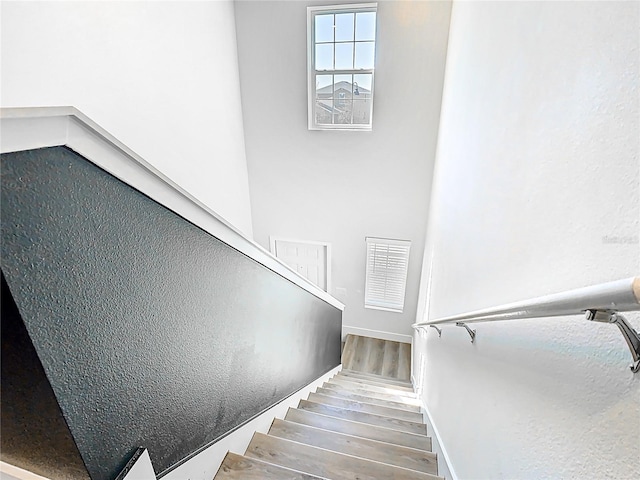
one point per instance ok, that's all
(375, 383)
(367, 399)
(358, 429)
(362, 417)
(365, 407)
(385, 388)
(399, 456)
(239, 467)
(325, 463)
(372, 388)
(375, 377)
(368, 393)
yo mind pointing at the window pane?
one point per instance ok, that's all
(344, 27)
(342, 89)
(324, 109)
(324, 56)
(342, 40)
(344, 56)
(324, 86)
(324, 28)
(362, 85)
(342, 112)
(366, 26)
(361, 112)
(365, 53)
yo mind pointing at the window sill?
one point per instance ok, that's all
(386, 309)
(321, 129)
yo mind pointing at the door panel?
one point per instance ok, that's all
(310, 259)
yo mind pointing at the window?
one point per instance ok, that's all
(341, 58)
(386, 275)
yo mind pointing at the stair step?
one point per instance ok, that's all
(372, 388)
(367, 399)
(368, 393)
(376, 378)
(358, 429)
(370, 418)
(238, 467)
(365, 407)
(318, 461)
(376, 383)
(405, 457)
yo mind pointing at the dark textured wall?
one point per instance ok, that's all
(45, 446)
(151, 331)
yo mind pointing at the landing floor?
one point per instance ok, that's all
(378, 357)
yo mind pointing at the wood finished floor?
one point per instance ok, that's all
(377, 357)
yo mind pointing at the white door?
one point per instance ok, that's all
(309, 259)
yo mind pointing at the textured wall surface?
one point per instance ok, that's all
(44, 447)
(536, 191)
(340, 187)
(152, 332)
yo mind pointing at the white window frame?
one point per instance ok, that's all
(311, 72)
(376, 300)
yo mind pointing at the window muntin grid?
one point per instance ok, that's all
(342, 60)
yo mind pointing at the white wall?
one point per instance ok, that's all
(325, 186)
(536, 191)
(162, 77)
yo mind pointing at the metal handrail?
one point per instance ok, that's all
(601, 303)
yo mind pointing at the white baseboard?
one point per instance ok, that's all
(204, 465)
(365, 332)
(445, 468)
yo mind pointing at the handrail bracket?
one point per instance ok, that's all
(472, 333)
(439, 330)
(631, 336)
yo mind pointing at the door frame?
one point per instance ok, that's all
(272, 248)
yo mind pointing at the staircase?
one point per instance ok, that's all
(356, 426)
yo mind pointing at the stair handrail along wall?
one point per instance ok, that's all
(598, 303)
